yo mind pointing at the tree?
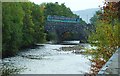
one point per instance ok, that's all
(38, 20)
(28, 25)
(106, 35)
(23, 26)
(12, 27)
(59, 10)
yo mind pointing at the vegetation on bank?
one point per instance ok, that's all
(23, 24)
(106, 35)
(10, 70)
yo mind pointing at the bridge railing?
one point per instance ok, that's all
(62, 19)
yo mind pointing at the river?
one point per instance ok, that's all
(48, 59)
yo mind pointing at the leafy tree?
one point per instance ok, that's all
(28, 25)
(12, 27)
(95, 19)
(59, 10)
(38, 20)
(106, 35)
(23, 25)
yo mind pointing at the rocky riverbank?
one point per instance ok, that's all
(77, 49)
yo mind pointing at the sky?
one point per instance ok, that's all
(75, 5)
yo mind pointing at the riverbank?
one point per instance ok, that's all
(101, 66)
(112, 66)
(59, 62)
(6, 54)
(56, 56)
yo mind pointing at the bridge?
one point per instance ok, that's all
(65, 28)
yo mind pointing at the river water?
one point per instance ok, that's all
(48, 59)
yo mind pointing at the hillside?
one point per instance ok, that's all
(86, 14)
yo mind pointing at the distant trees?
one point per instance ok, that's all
(59, 10)
(22, 26)
(96, 18)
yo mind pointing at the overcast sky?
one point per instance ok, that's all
(74, 5)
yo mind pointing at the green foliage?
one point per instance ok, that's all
(82, 22)
(52, 36)
(23, 25)
(59, 10)
(12, 26)
(10, 70)
(38, 20)
(96, 18)
(106, 38)
(28, 26)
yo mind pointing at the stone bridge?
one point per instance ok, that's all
(66, 30)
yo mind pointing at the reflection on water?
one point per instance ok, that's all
(48, 59)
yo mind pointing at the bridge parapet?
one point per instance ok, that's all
(62, 19)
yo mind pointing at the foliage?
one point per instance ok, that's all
(38, 20)
(22, 26)
(59, 10)
(96, 18)
(106, 36)
(12, 27)
(52, 36)
(28, 26)
(10, 70)
(82, 22)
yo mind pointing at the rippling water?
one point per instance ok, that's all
(48, 59)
